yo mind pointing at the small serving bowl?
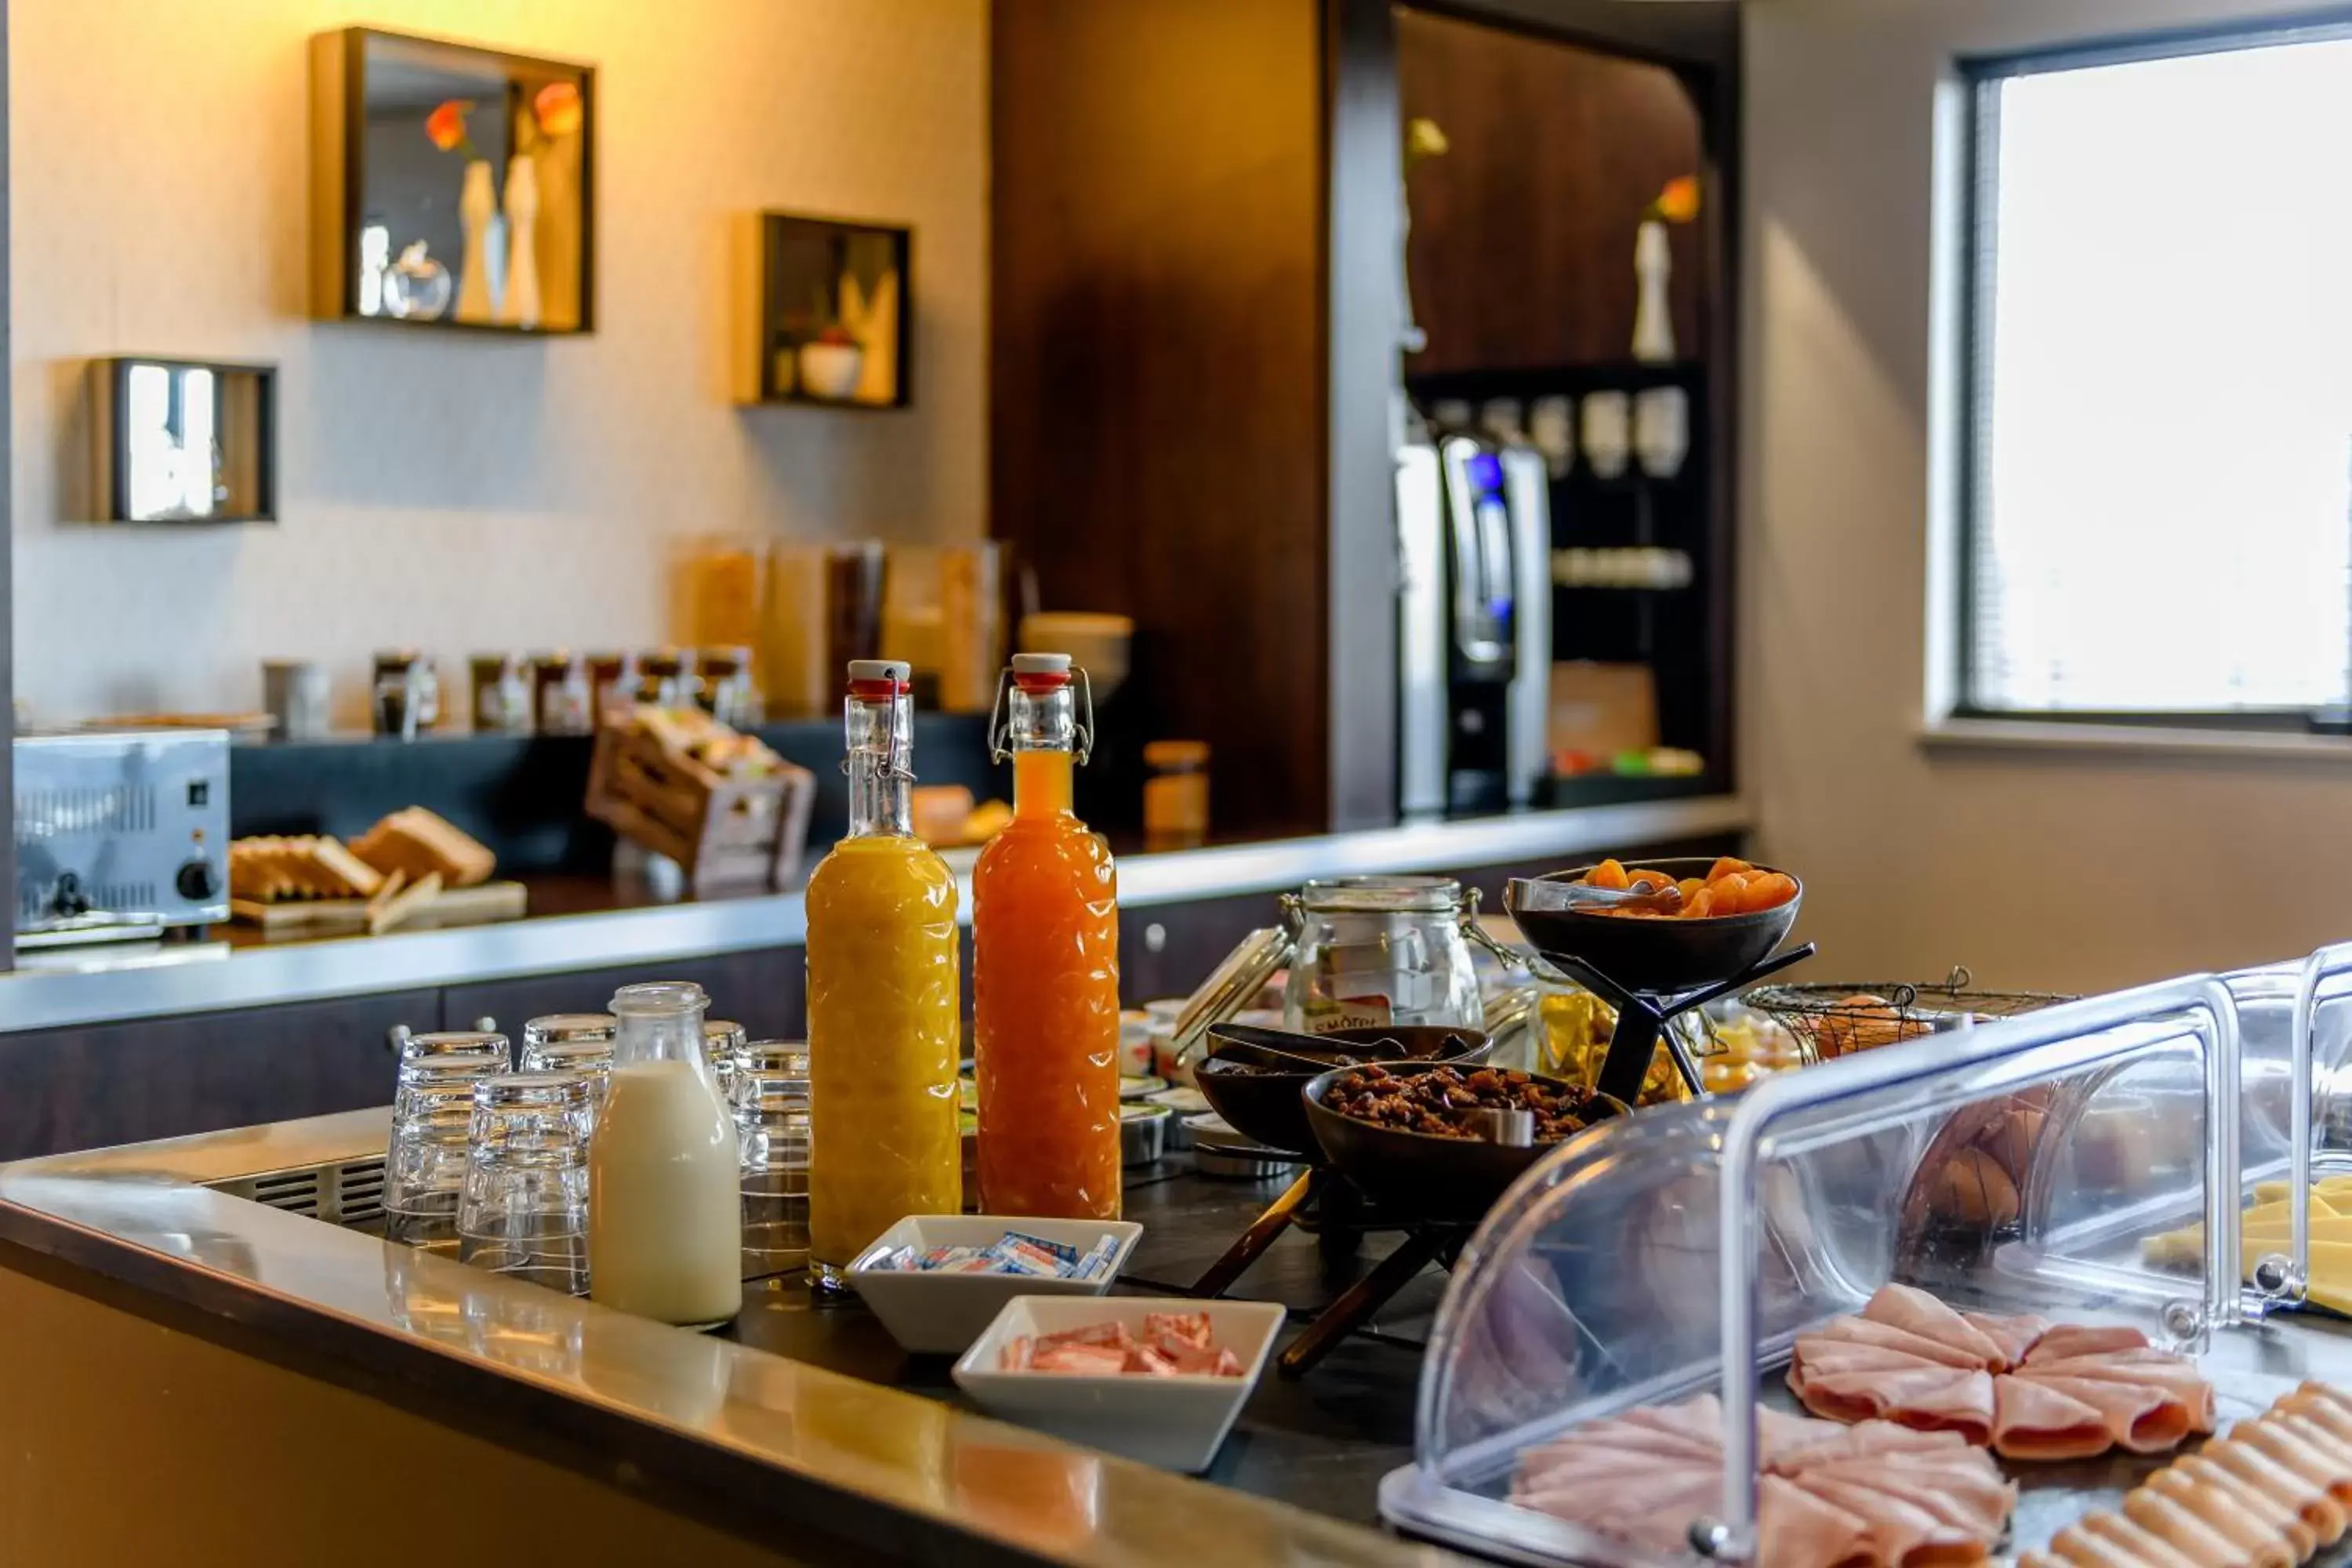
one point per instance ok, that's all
(1177, 1423)
(1264, 1104)
(1661, 953)
(940, 1314)
(1424, 1174)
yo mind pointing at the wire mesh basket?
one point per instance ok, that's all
(1836, 1020)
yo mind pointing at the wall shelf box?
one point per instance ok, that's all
(797, 276)
(183, 441)
(381, 184)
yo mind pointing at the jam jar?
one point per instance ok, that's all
(1375, 951)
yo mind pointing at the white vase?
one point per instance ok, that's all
(478, 204)
(1653, 316)
(519, 307)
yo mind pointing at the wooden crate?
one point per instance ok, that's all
(723, 832)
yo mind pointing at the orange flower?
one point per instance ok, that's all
(445, 127)
(1678, 202)
(558, 107)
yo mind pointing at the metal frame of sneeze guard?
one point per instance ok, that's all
(2289, 1278)
(2007, 1056)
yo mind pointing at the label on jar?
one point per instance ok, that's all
(1323, 1016)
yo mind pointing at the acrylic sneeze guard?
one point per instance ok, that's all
(2017, 1166)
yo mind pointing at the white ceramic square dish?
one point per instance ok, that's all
(1175, 1422)
(941, 1314)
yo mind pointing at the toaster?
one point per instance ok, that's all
(120, 834)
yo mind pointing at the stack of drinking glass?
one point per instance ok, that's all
(489, 1165)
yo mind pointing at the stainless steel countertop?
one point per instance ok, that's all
(98, 986)
(713, 1427)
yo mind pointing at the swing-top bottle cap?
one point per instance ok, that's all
(1041, 671)
(878, 677)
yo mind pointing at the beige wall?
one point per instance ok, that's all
(444, 490)
(2063, 871)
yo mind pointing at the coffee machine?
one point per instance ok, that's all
(1474, 633)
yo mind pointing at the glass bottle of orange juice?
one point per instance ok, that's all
(884, 1009)
(1045, 974)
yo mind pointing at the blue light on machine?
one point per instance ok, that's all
(1487, 471)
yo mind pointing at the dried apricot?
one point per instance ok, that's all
(1608, 874)
(1699, 906)
(1726, 865)
(1769, 892)
(1688, 886)
(1656, 880)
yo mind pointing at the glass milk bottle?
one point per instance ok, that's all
(664, 1214)
(1044, 967)
(885, 1013)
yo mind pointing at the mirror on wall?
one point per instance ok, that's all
(452, 185)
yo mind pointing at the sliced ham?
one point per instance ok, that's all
(2066, 1339)
(1901, 1532)
(1914, 1311)
(2143, 1419)
(1875, 1495)
(1862, 1331)
(1929, 1399)
(1874, 1440)
(1966, 1499)
(1823, 1356)
(2260, 1545)
(2175, 1375)
(1792, 1526)
(1699, 1417)
(2014, 1334)
(2033, 1421)
(1584, 1467)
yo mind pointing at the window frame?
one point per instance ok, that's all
(1977, 243)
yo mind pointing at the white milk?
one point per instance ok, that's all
(665, 1205)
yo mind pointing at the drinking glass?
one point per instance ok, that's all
(722, 1043)
(457, 1043)
(432, 1115)
(771, 1102)
(524, 1207)
(573, 1042)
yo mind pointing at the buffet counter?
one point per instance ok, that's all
(245, 1361)
(96, 984)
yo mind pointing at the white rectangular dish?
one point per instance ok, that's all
(940, 1314)
(1178, 1423)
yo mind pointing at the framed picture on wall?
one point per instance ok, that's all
(451, 186)
(827, 312)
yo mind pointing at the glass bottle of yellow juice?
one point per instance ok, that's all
(1044, 973)
(884, 1010)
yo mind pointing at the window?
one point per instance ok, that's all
(2158, 487)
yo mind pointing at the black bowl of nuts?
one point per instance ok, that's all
(1257, 1090)
(1440, 1140)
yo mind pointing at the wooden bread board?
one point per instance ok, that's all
(478, 905)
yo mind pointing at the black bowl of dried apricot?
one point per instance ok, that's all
(1728, 916)
(1416, 1136)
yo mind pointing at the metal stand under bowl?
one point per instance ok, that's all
(1642, 1016)
(1326, 1205)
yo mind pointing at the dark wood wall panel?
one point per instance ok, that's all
(1522, 243)
(1157, 370)
(162, 1078)
(763, 990)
